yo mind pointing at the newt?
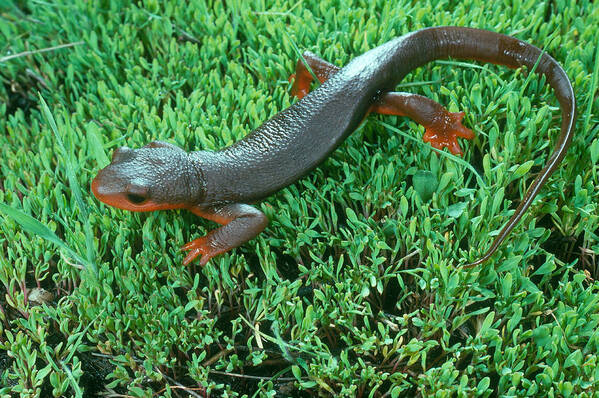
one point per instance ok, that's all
(220, 185)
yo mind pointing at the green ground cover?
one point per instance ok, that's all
(353, 288)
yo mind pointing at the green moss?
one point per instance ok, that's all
(352, 289)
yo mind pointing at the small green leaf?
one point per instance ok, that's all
(542, 335)
(546, 268)
(403, 206)
(297, 372)
(456, 209)
(486, 325)
(96, 145)
(483, 385)
(522, 169)
(574, 359)
(594, 148)
(425, 183)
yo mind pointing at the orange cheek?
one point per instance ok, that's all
(95, 187)
(120, 201)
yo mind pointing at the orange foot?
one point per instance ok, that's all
(199, 246)
(300, 88)
(443, 132)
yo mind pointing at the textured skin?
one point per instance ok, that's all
(216, 185)
(442, 127)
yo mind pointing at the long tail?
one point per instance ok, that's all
(495, 48)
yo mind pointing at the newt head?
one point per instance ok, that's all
(158, 176)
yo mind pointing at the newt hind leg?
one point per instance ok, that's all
(442, 127)
(302, 78)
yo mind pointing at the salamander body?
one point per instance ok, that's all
(219, 185)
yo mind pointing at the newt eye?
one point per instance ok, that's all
(137, 193)
(135, 198)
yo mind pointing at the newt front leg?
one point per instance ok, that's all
(162, 176)
(240, 223)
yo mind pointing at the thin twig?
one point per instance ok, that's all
(186, 36)
(216, 357)
(250, 376)
(30, 72)
(283, 13)
(43, 50)
(188, 390)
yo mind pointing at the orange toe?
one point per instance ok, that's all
(445, 130)
(196, 247)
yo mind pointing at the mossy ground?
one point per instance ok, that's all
(352, 290)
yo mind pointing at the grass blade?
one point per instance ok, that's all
(592, 91)
(74, 185)
(35, 227)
